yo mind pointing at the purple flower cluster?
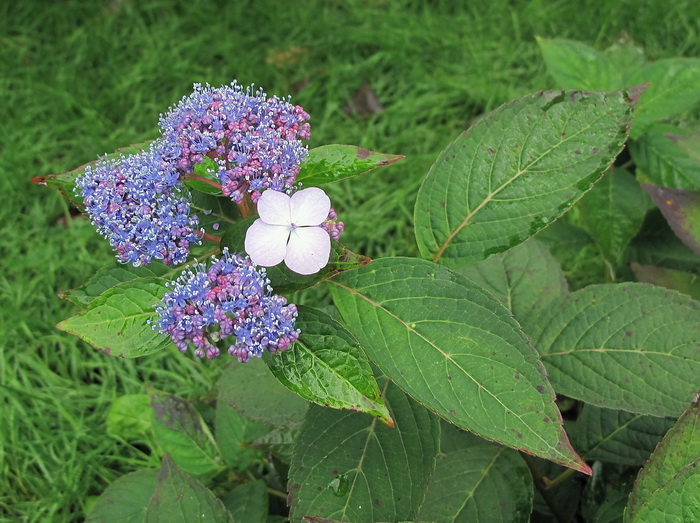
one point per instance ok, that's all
(136, 203)
(254, 140)
(231, 299)
(332, 226)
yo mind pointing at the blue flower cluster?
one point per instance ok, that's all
(254, 140)
(136, 203)
(230, 300)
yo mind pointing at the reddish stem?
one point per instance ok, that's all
(211, 237)
(199, 178)
(243, 207)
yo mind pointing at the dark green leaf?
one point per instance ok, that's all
(350, 467)
(248, 502)
(327, 366)
(664, 160)
(254, 392)
(455, 349)
(681, 210)
(673, 89)
(180, 498)
(484, 482)
(331, 163)
(110, 276)
(285, 281)
(575, 65)
(65, 182)
(125, 500)
(116, 322)
(129, 417)
(234, 434)
(630, 346)
(658, 245)
(616, 436)
(612, 212)
(526, 279)
(668, 487)
(681, 281)
(182, 432)
(517, 170)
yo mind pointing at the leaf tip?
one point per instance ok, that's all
(633, 94)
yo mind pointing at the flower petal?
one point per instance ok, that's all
(266, 244)
(308, 250)
(273, 208)
(309, 207)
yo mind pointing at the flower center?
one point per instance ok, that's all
(292, 227)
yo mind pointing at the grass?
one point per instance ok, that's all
(83, 78)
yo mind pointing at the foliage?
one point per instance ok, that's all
(483, 334)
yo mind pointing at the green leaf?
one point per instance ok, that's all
(575, 65)
(248, 502)
(350, 467)
(126, 499)
(254, 392)
(455, 349)
(663, 154)
(110, 276)
(630, 346)
(673, 89)
(181, 432)
(116, 322)
(327, 366)
(612, 212)
(616, 436)
(517, 170)
(681, 210)
(282, 279)
(681, 281)
(484, 482)
(626, 57)
(658, 245)
(668, 487)
(525, 279)
(207, 170)
(129, 417)
(234, 434)
(180, 498)
(331, 163)
(65, 182)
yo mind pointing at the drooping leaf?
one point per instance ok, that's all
(248, 502)
(517, 170)
(351, 467)
(126, 499)
(664, 155)
(681, 210)
(616, 436)
(327, 366)
(575, 65)
(234, 435)
(673, 89)
(253, 391)
(116, 322)
(110, 276)
(630, 346)
(526, 279)
(455, 349)
(612, 213)
(65, 182)
(181, 432)
(331, 163)
(284, 280)
(480, 481)
(180, 498)
(129, 417)
(668, 487)
(681, 281)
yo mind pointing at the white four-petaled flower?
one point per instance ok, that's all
(289, 229)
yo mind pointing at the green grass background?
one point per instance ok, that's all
(82, 78)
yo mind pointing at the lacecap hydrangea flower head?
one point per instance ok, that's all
(228, 305)
(255, 140)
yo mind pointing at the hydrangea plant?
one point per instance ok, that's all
(435, 390)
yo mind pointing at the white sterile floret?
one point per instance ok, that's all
(289, 229)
